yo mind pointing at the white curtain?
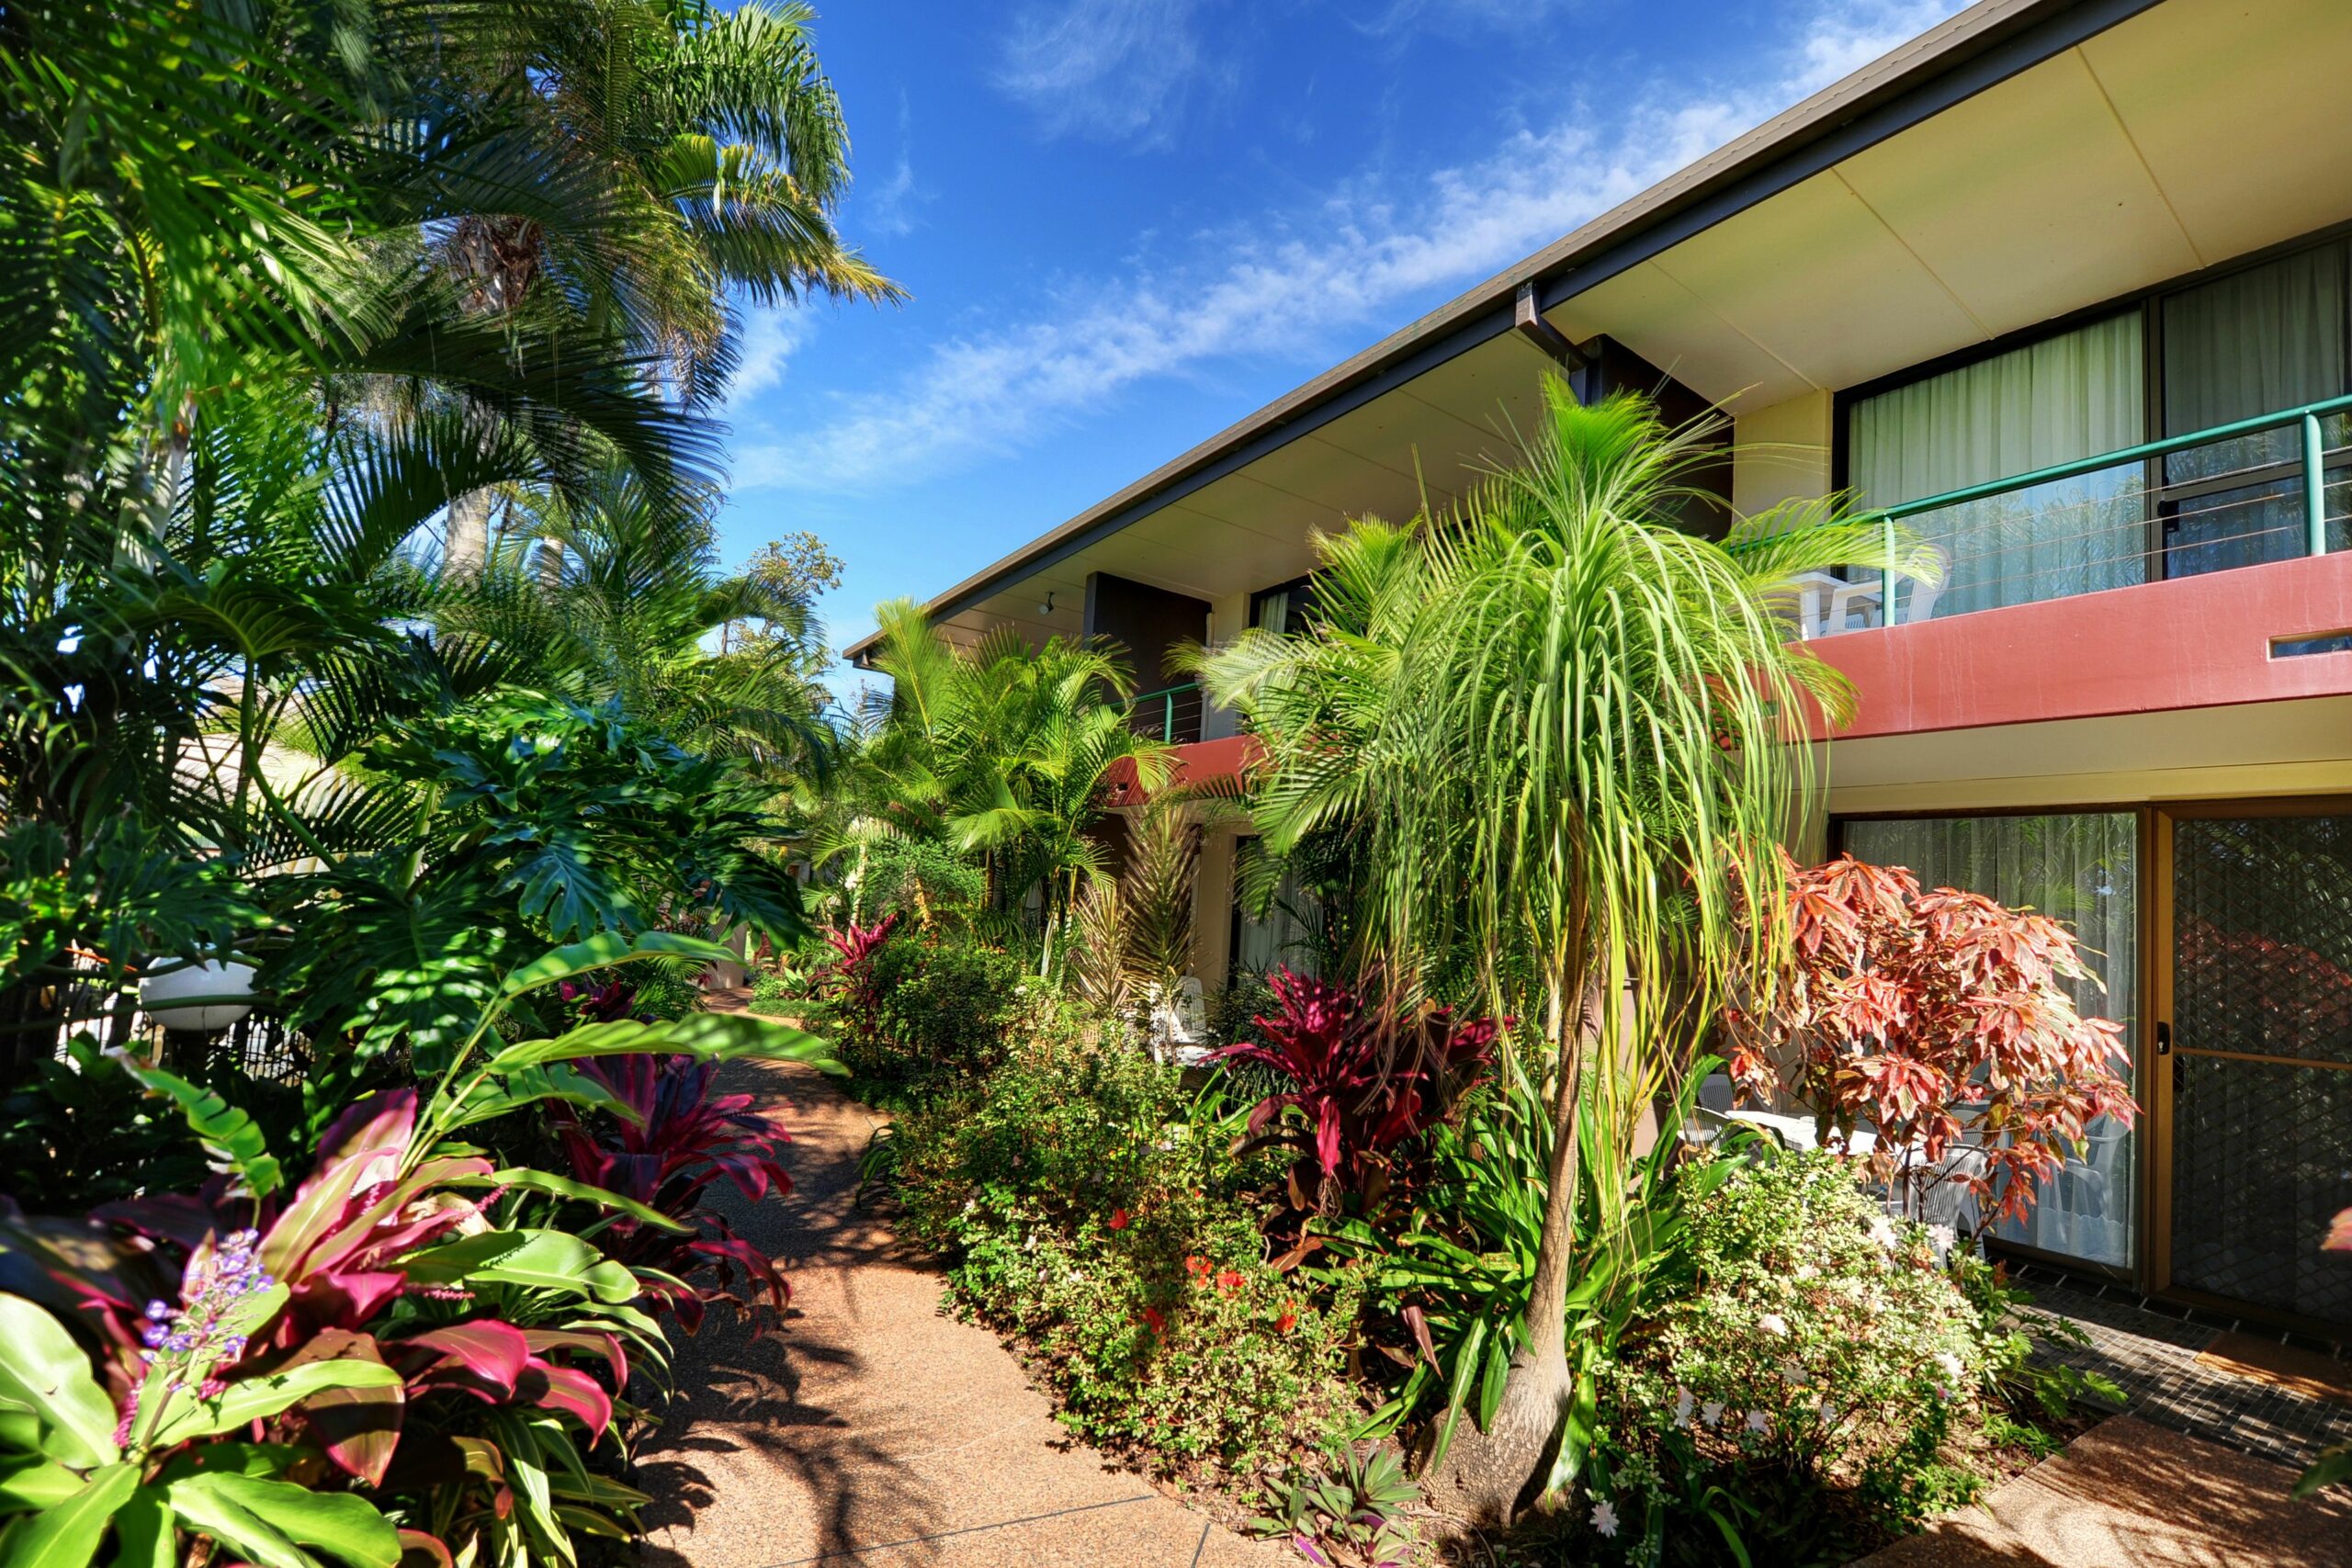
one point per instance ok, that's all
(2072, 396)
(2251, 344)
(2082, 868)
(1283, 937)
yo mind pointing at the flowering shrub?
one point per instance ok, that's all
(1363, 1090)
(1085, 1214)
(1928, 1016)
(679, 1139)
(1823, 1353)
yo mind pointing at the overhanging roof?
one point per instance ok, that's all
(1979, 49)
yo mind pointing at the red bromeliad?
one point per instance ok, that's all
(687, 1138)
(1934, 1017)
(853, 977)
(1363, 1090)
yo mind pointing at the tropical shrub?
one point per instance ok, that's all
(941, 1007)
(1349, 1512)
(772, 992)
(1800, 1397)
(1364, 1085)
(1083, 1212)
(1930, 1017)
(283, 1374)
(676, 1139)
(923, 880)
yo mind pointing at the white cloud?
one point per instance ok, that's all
(885, 210)
(771, 337)
(1116, 69)
(1345, 263)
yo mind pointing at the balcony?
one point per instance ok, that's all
(1172, 715)
(2270, 488)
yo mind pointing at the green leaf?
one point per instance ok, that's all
(146, 1535)
(493, 1098)
(271, 1522)
(67, 1535)
(711, 1036)
(530, 1180)
(257, 1399)
(27, 1481)
(534, 1260)
(42, 1369)
(228, 1134)
(604, 950)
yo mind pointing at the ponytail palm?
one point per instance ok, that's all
(1572, 737)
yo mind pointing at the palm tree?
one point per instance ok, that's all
(618, 600)
(1003, 752)
(709, 152)
(1571, 737)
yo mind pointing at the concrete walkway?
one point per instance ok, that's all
(872, 1430)
(2130, 1495)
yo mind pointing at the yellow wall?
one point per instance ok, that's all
(1780, 450)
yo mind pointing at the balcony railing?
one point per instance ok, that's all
(2267, 488)
(1174, 715)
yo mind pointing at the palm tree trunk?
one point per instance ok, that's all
(466, 541)
(1488, 1476)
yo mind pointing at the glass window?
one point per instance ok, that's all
(2075, 395)
(1284, 609)
(2250, 344)
(2082, 868)
(1285, 934)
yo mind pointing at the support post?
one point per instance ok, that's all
(1886, 577)
(2314, 487)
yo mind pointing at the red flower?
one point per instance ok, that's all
(1118, 1219)
(1228, 1279)
(1159, 1325)
(1286, 1322)
(1197, 1266)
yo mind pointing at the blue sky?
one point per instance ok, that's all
(1126, 223)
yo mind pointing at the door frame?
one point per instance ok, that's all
(2156, 1067)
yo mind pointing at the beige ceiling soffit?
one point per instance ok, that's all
(1889, 229)
(2137, 156)
(1658, 264)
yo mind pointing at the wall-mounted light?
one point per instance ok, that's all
(1047, 607)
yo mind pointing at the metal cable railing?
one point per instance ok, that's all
(2272, 487)
(1172, 716)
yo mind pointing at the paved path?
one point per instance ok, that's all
(2130, 1495)
(873, 1430)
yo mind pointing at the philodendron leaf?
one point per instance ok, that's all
(530, 1180)
(42, 1369)
(228, 1134)
(534, 1259)
(270, 1523)
(66, 1535)
(606, 949)
(255, 1399)
(712, 1036)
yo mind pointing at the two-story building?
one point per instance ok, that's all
(2068, 283)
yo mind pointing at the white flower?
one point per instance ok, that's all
(1755, 1422)
(1793, 1373)
(1884, 1232)
(1031, 1244)
(1944, 1237)
(1712, 1412)
(1807, 1272)
(1604, 1517)
(1682, 1404)
(1951, 1365)
(971, 1205)
(1827, 1412)
(1773, 1323)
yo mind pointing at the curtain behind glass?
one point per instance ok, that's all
(2081, 868)
(1285, 936)
(2268, 338)
(2072, 396)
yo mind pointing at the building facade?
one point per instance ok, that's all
(2069, 287)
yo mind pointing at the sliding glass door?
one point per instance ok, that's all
(2082, 868)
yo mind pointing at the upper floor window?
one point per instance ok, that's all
(2253, 342)
(1284, 607)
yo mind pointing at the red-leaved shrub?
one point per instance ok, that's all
(1933, 1017)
